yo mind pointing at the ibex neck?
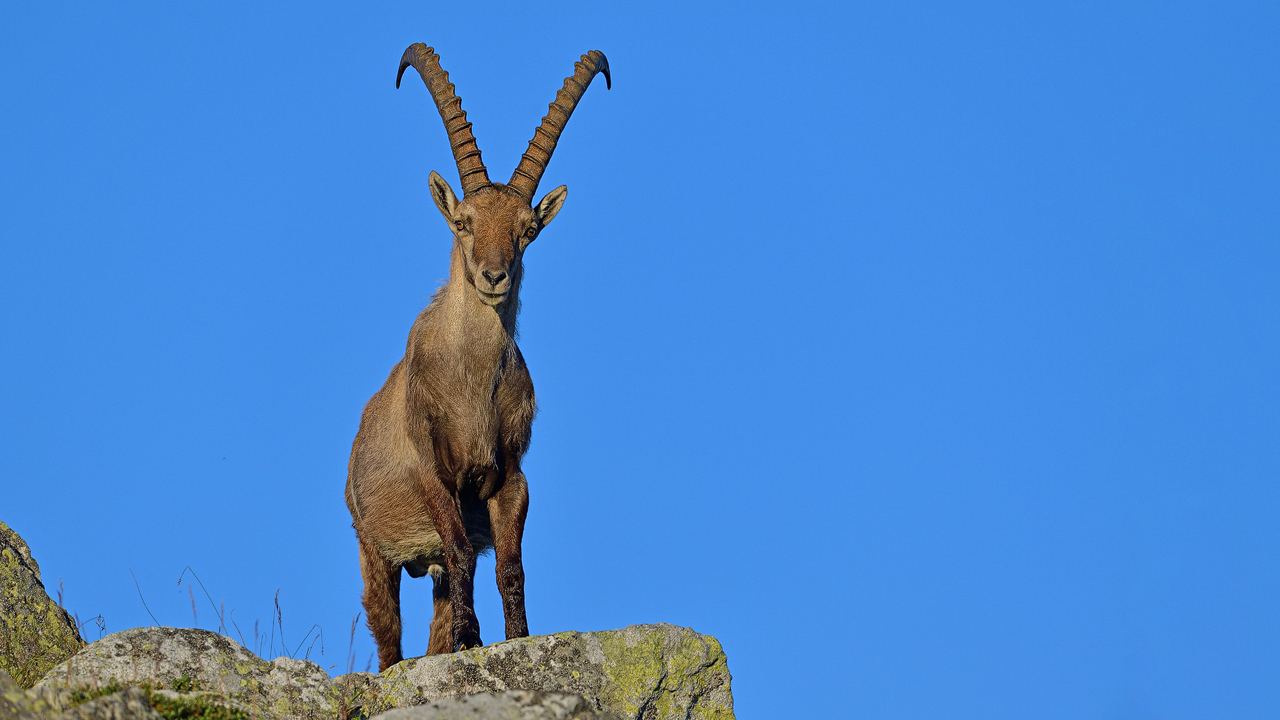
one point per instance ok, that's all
(483, 323)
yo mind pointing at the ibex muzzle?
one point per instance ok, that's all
(435, 475)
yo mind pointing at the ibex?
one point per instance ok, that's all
(435, 476)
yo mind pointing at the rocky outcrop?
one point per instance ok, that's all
(642, 671)
(647, 672)
(184, 660)
(35, 634)
(509, 705)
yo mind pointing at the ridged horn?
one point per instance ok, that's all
(466, 153)
(534, 162)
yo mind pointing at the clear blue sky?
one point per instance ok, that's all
(924, 354)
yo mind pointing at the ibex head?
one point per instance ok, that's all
(493, 223)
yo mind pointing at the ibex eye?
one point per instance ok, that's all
(457, 224)
(530, 232)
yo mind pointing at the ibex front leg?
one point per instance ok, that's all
(460, 562)
(507, 512)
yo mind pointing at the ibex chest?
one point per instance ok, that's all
(471, 409)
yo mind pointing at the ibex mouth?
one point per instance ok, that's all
(491, 298)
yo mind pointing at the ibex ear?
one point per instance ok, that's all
(443, 195)
(550, 205)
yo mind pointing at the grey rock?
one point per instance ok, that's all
(645, 672)
(35, 634)
(128, 704)
(58, 700)
(17, 705)
(164, 657)
(641, 671)
(510, 705)
(8, 536)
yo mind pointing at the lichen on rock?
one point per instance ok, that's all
(199, 661)
(665, 671)
(35, 634)
(121, 704)
(509, 705)
(642, 671)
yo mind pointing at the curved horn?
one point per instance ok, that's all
(534, 162)
(466, 153)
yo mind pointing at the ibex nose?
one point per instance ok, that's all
(494, 279)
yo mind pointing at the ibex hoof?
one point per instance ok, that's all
(465, 645)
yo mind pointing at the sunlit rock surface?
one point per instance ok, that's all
(509, 705)
(35, 634)
(648, 672)
(127, 704)
(642, 672)
(186, 661)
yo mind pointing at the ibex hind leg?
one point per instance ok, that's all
(441, 640)
(381, 603)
